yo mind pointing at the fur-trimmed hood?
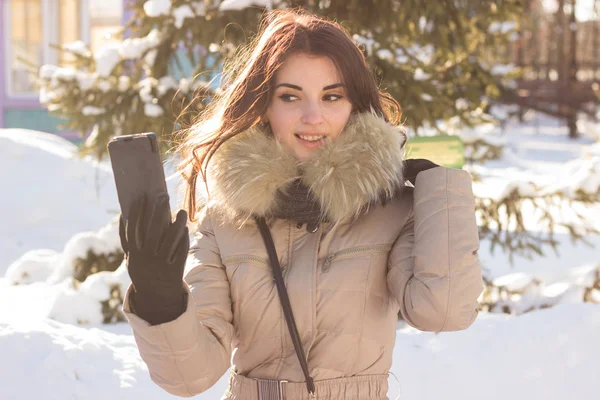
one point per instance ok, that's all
(361, 167)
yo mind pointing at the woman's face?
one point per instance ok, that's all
(310, 104)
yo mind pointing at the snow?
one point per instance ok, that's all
(107, 59)
(156, 8)
(181, 13)
(89, 141)
(54, 191)
(153, 110)
(92, 110)
(124, 83)
(425, 25)
(184, 85)
(420, 75)
(385, 54)
(47, 96)
(65, 361)
(461, 104)
(502, 27)
(81, 304)
(368, 43)
(502, 69)
(485, 131)
(589, 126)
(52, 327)
(78, 47)
(66, 73)
(423, 54)
(86, 80)
(507, 357)
(134, 48)
(55, 74)
(44, 211)
(33, 266)
(150, 57)
(146, 86)
(165, 84)
(47, 71)
(233, 5)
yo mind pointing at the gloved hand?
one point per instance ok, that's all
(156, 251)
(412, 168)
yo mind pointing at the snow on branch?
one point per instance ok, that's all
(89, 275)
(519, 293)
(521, 216)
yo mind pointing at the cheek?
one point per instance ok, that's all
(339, 120)
(281, 121)
(278, 123)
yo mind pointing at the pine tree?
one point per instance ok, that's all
(436, 58)
(443, 61)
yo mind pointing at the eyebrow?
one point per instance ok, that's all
(329, 87)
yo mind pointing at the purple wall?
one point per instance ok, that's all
(7, 102)
(2, 64)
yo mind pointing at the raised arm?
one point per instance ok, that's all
(189, 354)
(434, 270)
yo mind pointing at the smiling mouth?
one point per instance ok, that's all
(311, 138)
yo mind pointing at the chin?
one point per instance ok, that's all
(303, 155)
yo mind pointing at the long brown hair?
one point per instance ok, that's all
(249, 84)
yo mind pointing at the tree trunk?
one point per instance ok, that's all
(572, 74)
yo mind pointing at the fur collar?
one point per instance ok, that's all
(362, 167)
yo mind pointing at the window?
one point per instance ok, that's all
(68, 26)
(32, 26)
(26, 44)
(106, 17)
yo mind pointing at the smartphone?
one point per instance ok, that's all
(137, 167)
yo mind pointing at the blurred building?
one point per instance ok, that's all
(28, 29)
(558, 48)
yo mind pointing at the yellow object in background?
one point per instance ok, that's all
(444, 150)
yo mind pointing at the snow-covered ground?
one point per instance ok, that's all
(59, 205)
(54, 194)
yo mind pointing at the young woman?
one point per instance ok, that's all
(304, 150)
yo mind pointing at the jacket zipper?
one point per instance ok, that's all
(369, 249)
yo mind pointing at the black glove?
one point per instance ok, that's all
(412, 168)
(156, 250)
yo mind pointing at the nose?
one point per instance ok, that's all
(312, 114)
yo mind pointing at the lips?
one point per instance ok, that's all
(310, 135)
(311, 140)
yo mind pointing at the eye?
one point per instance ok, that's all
(288, 98)
(333, 97)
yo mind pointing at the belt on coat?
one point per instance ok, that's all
(360, 387)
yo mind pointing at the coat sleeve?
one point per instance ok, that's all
(188, 355)
(434, 270)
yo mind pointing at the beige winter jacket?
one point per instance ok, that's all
(416, 254)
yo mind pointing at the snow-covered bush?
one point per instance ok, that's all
(519, 293)
(507, 210)
(90, 276)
